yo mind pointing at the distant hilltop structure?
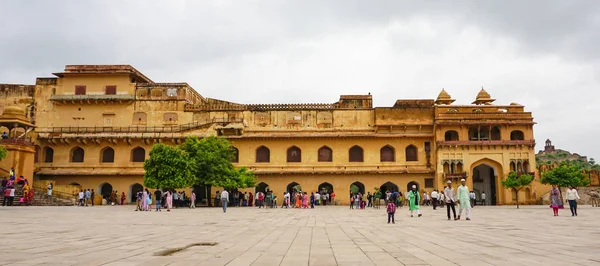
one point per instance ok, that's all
(551, 155)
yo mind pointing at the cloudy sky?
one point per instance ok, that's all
(542, 54)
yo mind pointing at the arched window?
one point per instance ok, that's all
(236, 155)
(263, 155)
(412, 154)
(387, 154)
(325, 154)
(107, 155)
(138, 155)
(77, 155)
(356, 154)
(48, 155)
(517, 135)
(495, 131)
(451, 135)
(294, 155)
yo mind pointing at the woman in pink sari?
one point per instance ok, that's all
(305, 201)
(169, 200)
(145, 201)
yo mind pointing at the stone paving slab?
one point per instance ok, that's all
(117, 235)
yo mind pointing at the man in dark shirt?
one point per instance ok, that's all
(158, 198)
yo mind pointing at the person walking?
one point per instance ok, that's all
(554, 199)
(473, 199)
(441, 199)
(391, 210)
(449, 196)
(123, 198)
(483, 198)
(169, 199)
(312, 200)
(158, 198)
(434, 198)
(464, 200)
(414, 198)
(193, 200)
(81, 198)
(92, 196)
(224, 199)
(87, 196)
(572, 197)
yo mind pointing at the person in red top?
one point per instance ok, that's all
(332, 198)
(391, 210)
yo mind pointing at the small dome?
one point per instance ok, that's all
(444, 95)
(515, 104)
(13, 110)
(483, 95)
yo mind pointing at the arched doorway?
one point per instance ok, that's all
(105, 190)
(291, 187)
(357, 187)
(133, 190)
(261, 187)
(325, 187)
(388, 186)
(201, 192)
(485, 176)
(410, 184)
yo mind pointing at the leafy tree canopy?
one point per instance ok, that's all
(566, 174)
(517, 182)
(211, 163)
(168, 167)
(3, 152)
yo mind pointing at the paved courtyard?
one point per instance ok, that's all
(324, 236)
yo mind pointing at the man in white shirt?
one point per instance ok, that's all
(449, 195)
(572, 197)
(483, 198)
(317, 198)
(472, 197)
(81, 198)
(434, 198)
(224, 199)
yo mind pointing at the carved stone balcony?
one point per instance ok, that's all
(487, 142)
(92, 98)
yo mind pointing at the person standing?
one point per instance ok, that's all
(81, 197)
(87, 196)
(572, 197)
(434, 198)
(145, 200)
(472, 197)
(441, 199)
(331, 198)
(158, 198)
(414, 198)
(483, 198)
(449, 196)
(464, 200)
(391, 210)
(50, 187)
(169, 199)
(92, 196)
(123, 198)
(317, 198)
(224, 199)
(312, 200)
(555, 199)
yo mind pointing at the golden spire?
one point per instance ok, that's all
(483, 97)
(444, 98)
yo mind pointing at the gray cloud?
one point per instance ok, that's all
(541, 54)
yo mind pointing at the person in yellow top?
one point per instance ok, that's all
(572, 197)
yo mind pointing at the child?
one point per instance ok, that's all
(391, 210)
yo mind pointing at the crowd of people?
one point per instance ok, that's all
(10, 188)
(166, 199)
(268, 199)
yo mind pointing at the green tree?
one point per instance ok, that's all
(3, 152)
(167, 168)
(565, 174)
(354, 188)
(211, 159)
(516, 183)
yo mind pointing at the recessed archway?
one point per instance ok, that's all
(261, 187)
(485, 175)
(293, 187)
(105, 189)
(357, 187)
(133, 190)
(325, 187)
(388, 186)
(411, 183)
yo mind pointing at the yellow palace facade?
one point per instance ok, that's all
(94, 126)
